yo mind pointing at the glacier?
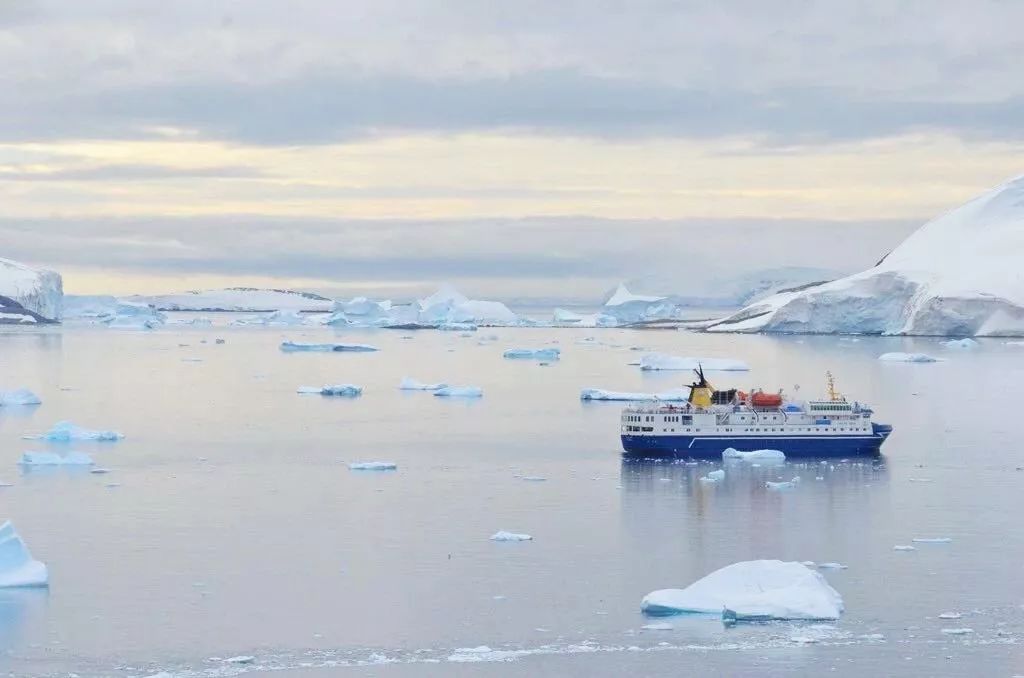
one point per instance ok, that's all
(675, 395)
(660, 361)
(755, 589)
(21, 396)
(957, 275)
(17, 567)
(29, 295)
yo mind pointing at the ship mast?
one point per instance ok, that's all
(833, 395)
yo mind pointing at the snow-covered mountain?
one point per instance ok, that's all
(958, 275)
(29, 295)
(244, 299)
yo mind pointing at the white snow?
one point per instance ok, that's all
(54, 459)
(348, 390)
(624, 296)
(533, 353)
(65, 431)
(460, 392)
(785, 485)
(296, 346)
(410, 384)
(769, 589)
(675, 395)
(754, 455)
(21, 396)
(931, 540)
(958, 275)
(502, 535)
(17, 567)
(240, 299)
(36, 290)
(373, 466)
(660, 361)
(897, 357)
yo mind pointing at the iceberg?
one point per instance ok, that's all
(785, 485)
(897, 357)
(373, 466)
(457, 327)
(713, 477)
(754, 455)
(960, 343)
(448, 306)
(409, 384)
(460, 392)
(903, 547)
(957, 275)
(675, 395)
(29, 295)
(533, 353)
(564, 318)
(502, 535)
(134, 316)
(17, 567)
(756, 589)
(347, 390)
(660, 361)
(21, 396)
(65, 431)
(621, 296)
(54, 459)
(295, 346)
(931, 540)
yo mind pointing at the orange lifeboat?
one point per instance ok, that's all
(766, 399)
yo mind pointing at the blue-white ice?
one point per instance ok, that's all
(65, 431)
(54, 459)
(534, 353)
(785, 485)
(675, 395)
(460, 392)
(373, 466)
(897, 357)
(754, 455)
(714, 477)
(502, 535)
(659, 361)
(17, 567)
(457, 327)
(960, 343)
(295, 346)
(21, 396)
(347, 390)
(410, 384)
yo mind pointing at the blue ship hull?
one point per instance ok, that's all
(711, 447)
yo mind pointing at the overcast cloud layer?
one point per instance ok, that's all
(306, 117)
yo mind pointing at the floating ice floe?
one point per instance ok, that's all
(714, 477)
(533, 353)
(17, 567)
(347, 390)
(675, 395)
(832, 566)
(754, 455)
(294, 346)
(960, 343)
(65, 431)
(950, 615)
(752, 590)
(409, 384)
(21, 396)
(897, 357)
(54, 459)
(460, 392)
(958, 631)
(534, 479)
(373, 466)
(502, 535)
(658, 626)
(931, 540)
(660, 361)
(903, 547)
(784, 485)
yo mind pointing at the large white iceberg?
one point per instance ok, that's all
(448, 305)
(297, 346)
(17, 567)
(21, 396)
(246, 299)
(754, 589)
(65, 431)
(660, 361)
(533, 353)
(29, 295)
(460, 392)
(564, 318)
(958, 275)
(675, 395)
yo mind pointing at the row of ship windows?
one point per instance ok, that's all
(748, 430)
(639, 429)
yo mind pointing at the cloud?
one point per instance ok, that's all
(128, 172)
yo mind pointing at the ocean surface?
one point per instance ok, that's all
(230, 527)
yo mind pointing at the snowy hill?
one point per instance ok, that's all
(958, 275)
(245, 299)
(29, 295)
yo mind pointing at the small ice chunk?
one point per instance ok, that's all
(754, 455)
(756, 589)
(784, 485)
(960, 343)
(21, 396)
(17, 567)
(54, 459)
(99, 470)
(533, 353)
(832, 566)
(347, 390)
(502, 535)
(373, 466)
(410, 384)
(931, 540)
(897, 357)
(714, 476)
(962, 631)
(674, 395)
(240, 659)
(293, 346)
(903, 547)
(950, 615)
(534, 479)
(65, 431)
(808, 563)
(658, 626)
(460, 392)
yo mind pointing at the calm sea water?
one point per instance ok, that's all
(230, 525)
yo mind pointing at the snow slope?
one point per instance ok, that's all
(242, 299)
(26, 291)
(958, 275)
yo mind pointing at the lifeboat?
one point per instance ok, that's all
(761, 399)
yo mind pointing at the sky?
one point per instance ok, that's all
(516, 149)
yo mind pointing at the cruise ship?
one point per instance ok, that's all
(713, 421)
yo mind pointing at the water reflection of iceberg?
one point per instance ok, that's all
(20, 608)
